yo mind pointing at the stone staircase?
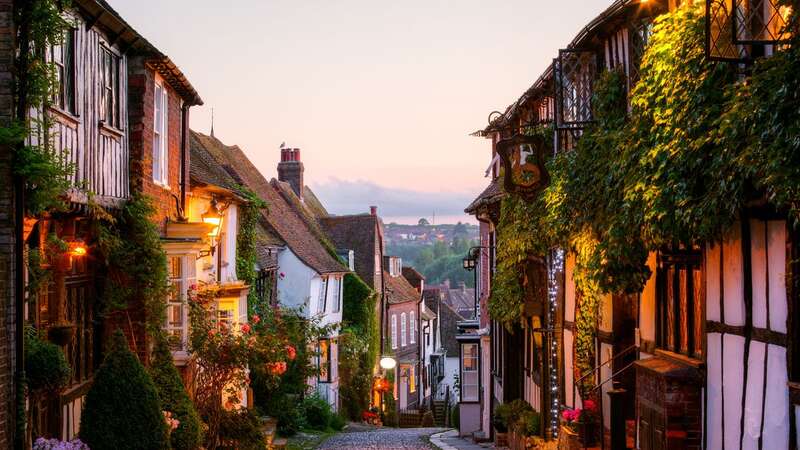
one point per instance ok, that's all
(439, 412)
(270, 435)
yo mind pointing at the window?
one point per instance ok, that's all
(413, 326)
(160, 147)
(337, 294)
(323, 294)
(324, 360)
(110, 88)
(394, 331)
(181, 276)
(403, 330)
(412, 379)
(469, 372)
(681, 297)
(63, 57)
(226, 313)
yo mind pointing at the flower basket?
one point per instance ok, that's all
(61, 333)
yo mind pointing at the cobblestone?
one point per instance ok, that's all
(382, 438)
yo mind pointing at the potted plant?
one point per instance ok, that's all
(500, 428)
(580, 425)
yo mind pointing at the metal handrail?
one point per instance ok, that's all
(613, 358)
(611, 377)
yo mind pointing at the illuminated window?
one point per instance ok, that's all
(412, 380)
(324, 360)
(181, 276)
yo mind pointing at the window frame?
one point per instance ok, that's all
(403, 330)
(160, 135)
(394, 331)
(680, 260)
(327, 362)
(412, 327)
(185, 279)
(110, 87)
(337, 300)
(64, 98)
(462, 371)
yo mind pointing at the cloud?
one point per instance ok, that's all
(353, 197)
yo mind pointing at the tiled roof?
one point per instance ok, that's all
(411, 273)
(491, 194)
(204, 169)
(281, 217)
(267, 245)
(313, 204)
(399, 290)
(357, 233)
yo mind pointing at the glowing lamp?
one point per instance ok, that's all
(78, 249)
(213, 217)
(388, 363)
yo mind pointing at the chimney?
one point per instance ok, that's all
(373, 210)
(290, 170)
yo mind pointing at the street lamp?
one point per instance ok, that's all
(470, 263)
(388, 363)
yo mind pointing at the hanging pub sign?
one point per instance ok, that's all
(524, 171)
(740, 30)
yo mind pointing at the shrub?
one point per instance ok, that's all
(455, 417)
(46, 366)
(507, 414)
(337, 422)
(175, 399)
(122, 409)
(287, 410)
(529, 423)
(427, 419)
(318, 412)
(242, 430)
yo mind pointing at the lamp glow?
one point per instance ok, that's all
(388, 363)
(78, 249)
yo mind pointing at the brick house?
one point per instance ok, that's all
(402, 323)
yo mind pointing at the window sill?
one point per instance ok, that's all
(65, 117)
(681, 359)
(110, 131)
(163, 185)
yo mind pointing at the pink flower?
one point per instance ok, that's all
(245, 328)
(212, 332)
(276, 368)
(291, 353)
(590, 405)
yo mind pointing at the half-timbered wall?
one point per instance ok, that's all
(97, 149)
(571, 395)
(747, 399)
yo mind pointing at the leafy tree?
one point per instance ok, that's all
(423, 222)
(122, 408)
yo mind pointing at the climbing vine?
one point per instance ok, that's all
(135, 264)
(246, 255)
(697, 144)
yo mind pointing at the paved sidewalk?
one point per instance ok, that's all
(449, 440)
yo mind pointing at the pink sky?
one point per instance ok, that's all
(384, 93)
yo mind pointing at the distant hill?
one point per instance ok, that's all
(436, 251)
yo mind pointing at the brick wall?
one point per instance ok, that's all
(141, 106)
(7, 287)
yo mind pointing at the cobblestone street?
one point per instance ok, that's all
(383, 438)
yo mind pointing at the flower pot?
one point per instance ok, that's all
(61, 333)
(500, 439)
(568, 439)
(587, 432)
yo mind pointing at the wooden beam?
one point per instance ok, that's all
(758, 334)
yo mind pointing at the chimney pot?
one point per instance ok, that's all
(373, 210)
(290, 170)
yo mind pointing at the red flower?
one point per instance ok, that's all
(276, 368)
(212, 332)
(255, 319)
(291, 353)
(245, 328)
(590, 405)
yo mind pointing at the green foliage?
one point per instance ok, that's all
(241, 429)
(246, 239)
(389, 414)
(46, 367)
(174, 398)
(455, 417)
(122, 409)
(530, 423)
(135, 262)
(359, 344)
(318, 413)
(507, 415)
(47, 175)
(440, 261)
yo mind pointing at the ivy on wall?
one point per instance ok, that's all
(246, 255)
(697, 145)
(359, 345)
